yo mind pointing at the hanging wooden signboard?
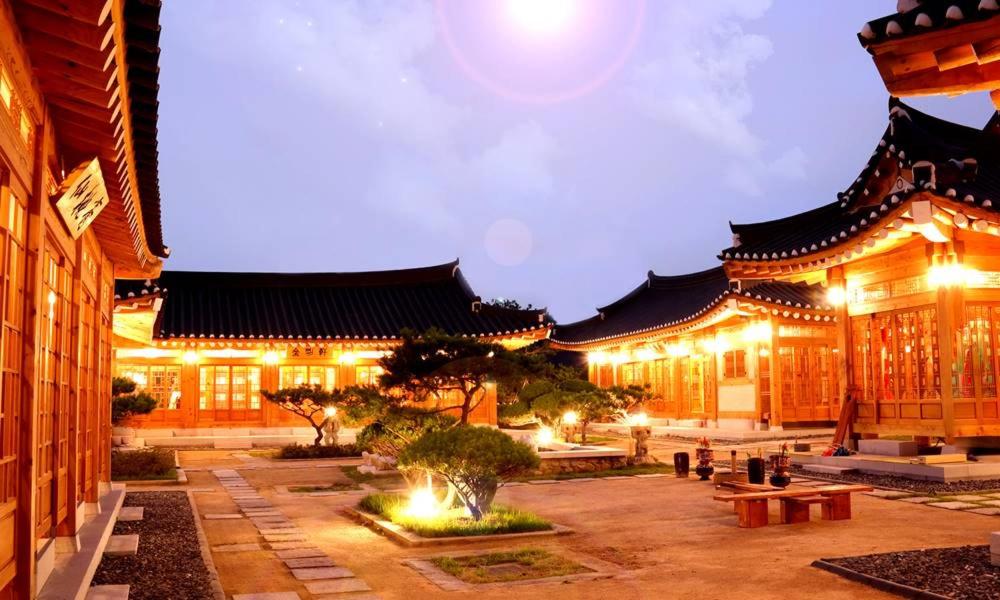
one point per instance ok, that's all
(82, 197)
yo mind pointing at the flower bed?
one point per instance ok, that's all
(453, 522)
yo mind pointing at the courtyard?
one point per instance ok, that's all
(642, 536)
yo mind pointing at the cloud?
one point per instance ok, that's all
(366, 61)
(520, 161)
(698, 83)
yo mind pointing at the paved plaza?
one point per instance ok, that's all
(660, 537)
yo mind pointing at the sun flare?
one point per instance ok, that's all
(542, 17)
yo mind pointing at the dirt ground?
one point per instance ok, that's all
(666, 536)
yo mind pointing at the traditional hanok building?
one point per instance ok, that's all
(909, 252)
(205, 344)
(937, 47)
(79, 207)
(717, 352)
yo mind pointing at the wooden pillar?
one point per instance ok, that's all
(946, 349)
(269, 380)
(27, 507)
(190, 392)
(776, 400)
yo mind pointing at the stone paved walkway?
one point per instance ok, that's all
(320, 575)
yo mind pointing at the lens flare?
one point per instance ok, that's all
(542, 17)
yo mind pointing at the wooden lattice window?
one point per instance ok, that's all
(12, 271)
(225, 387)
(367, 374)
(162, 382)
(296, 375)
(735, 363)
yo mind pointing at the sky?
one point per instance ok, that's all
(560, 149)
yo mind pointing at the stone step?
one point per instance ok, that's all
(310, 552)
(108, 592)
(337, 586)
(218, 516)
(233, 443)
(131, 513)
(309, 563)
(316, 573)
(122, 545)
(268, 596)
(828, 469)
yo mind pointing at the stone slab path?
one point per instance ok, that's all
(985, 503)
(306, 562)
(108, 592)
(122, 545)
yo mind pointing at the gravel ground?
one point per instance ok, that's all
(910, 485)
(169, 562)
(962, 573)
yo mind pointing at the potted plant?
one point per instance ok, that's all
(756, 467)
(705, 457)
(125, 403)
(780, 464)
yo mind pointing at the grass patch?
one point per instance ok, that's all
(333, 487)
(593, 440)
(271, 453)
(508, 566)
(649, 469)
(454, 522)
(381, 482)
(142, 464)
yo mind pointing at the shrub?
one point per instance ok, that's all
(126, 402)
(144, 463)
(450, 523)
(339, 451)
(474, 460)
(395, 429)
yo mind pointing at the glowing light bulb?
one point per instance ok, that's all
(271, 357)
(570, 417)
(542, 17)
(544, 436)
(836, 296)
(639, 419)
(330, 411)
(423, 504)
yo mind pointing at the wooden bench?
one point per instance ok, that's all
(751, 506)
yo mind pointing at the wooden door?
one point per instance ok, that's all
(230, 395)
(12, 222)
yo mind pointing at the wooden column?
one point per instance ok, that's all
(776, 400)
(946, 349)
(190, 392)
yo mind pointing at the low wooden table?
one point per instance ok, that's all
(751, 505)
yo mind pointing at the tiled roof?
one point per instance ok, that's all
(921, 16)
(142, 38)
(372, 305)
(667, 301)
(967, 168)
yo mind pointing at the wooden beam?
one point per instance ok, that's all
(95, 37)
(91, 12)
(987, 51)
(970, 78)
(955, 56)
(995, 97)
(41, 42)
(55, 87)
(70, 70)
